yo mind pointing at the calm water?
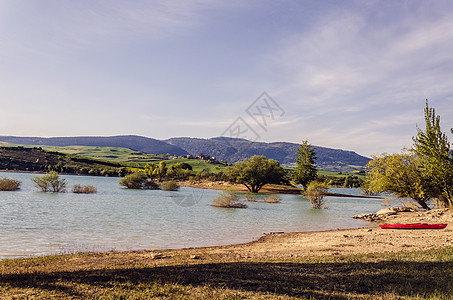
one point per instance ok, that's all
(36, 223)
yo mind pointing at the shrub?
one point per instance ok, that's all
(84, 189)
(8, 184)
(150, 185)
(228, 198)
(315, 193)
(169, 186)
(273, 199)
(50, 182)
(250, 197)
(135, 180)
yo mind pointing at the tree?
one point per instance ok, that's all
(436, 157)
(256, 171)
(315, 193)
(306, 170)
(400, 174)
(50, 182)
(135, 180)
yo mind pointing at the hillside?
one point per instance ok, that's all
(39, 160)
(224, 149)
(138, 143)
(232, 150)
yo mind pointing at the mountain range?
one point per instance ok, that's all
(224, 149)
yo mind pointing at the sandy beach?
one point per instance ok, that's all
(335, 242)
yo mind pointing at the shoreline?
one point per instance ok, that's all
(289, 245)
(337, 242)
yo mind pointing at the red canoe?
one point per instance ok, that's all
(413, 226)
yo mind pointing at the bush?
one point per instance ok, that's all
(84, 189)
(315, 193)
(228, 198)
(169, 186)
(50, 182)
(8, 184)
(151, 185)
(250, 197)
(135, 180)
(273, 199)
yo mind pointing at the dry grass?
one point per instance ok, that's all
(84, 189)
(176, 275)
(272, 199)
(250, 197)
(8, 184)
(228, 199)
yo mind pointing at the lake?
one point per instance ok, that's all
(36, 223)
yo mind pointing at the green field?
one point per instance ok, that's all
(127, 156)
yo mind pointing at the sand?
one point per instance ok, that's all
(336, 242)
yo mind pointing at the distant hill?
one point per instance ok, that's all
(232, 150)
(39, 160)
(138, 143)
(224, 149)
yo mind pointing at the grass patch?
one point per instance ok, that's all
(417, 275)
(9, 184)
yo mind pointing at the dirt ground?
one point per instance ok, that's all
(337, 242)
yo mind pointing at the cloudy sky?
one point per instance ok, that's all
(342, 74)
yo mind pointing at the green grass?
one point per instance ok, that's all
(127, 156)
(405, 275)
(199, 165)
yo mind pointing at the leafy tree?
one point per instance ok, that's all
(400, 174)
(161, 171)
(436, 157)
(135, 180)
(150, 170)
(175, 171)
(256, 171)
(306, 170)
(50, 182)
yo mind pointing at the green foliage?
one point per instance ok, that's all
(84, 189)
(50, 182)
(256, 171)
(9, 184)
(436, 157)
(306, 170)
(400, 174)
(135, 180)
(169, 186)
(315, 193)
(424, 174)
(229, 199)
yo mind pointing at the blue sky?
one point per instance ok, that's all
(345, 74)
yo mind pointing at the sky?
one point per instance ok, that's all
(352, 75)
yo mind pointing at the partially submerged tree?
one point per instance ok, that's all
(305, 170)
(135, 180)
(315, 192)
(257, 171)
(50, 182)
